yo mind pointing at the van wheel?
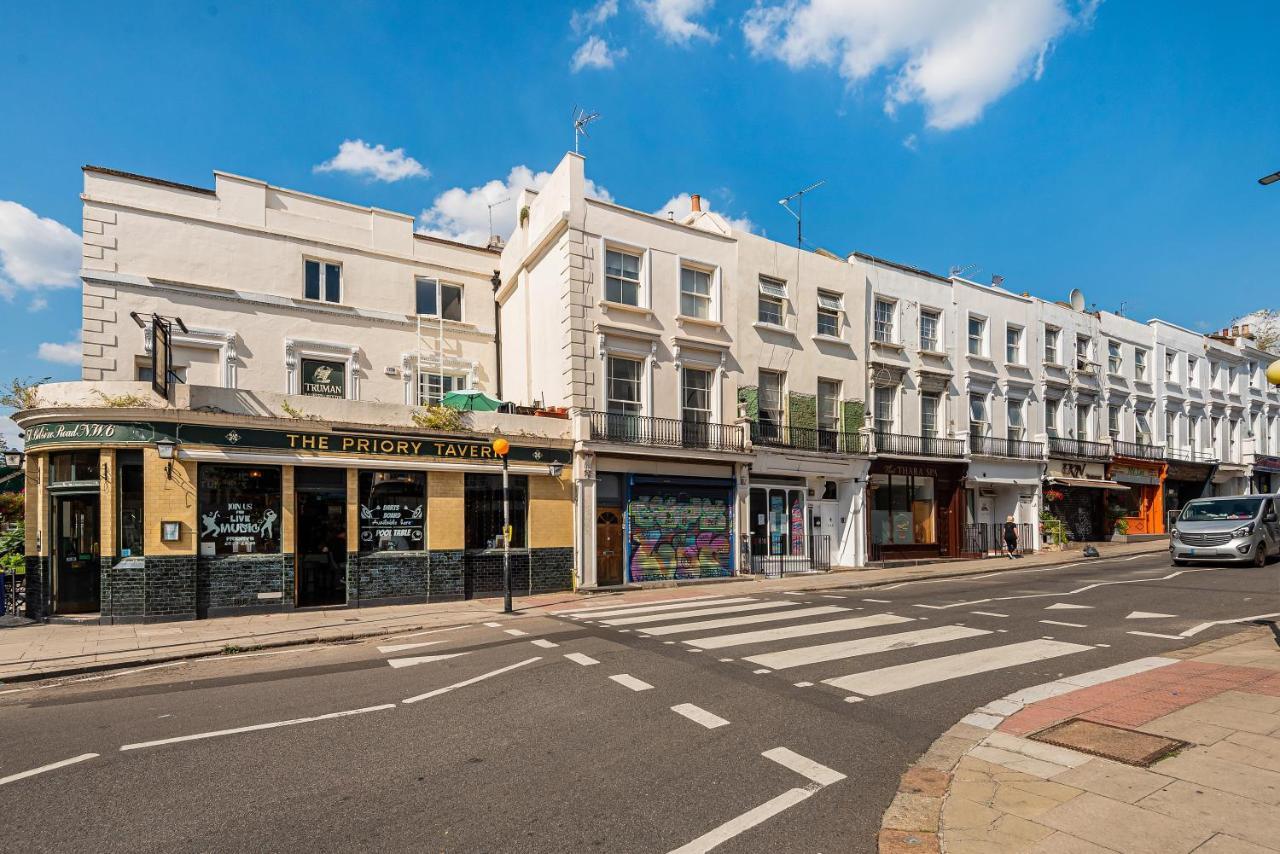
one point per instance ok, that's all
(1177, 562)
(1260, 556)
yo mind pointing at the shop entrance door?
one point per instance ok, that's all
(608, 547)
(320, 536)
(77, 583)
(824, 524)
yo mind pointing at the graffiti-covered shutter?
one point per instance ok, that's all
(679, 528)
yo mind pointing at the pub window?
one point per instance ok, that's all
(74, 466)
(129, 482)
(322, 378)
(483, 503)
(393, 511)
(438, 299)
(239, 508)
(322, 280)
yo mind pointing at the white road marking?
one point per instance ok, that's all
(494, 625)
(1066, 606)
(1117, 671)
(760, 670)
(853, 698)
(932, 607)
(764, 635)
(116, 673)
(628, 681)
(831, 596)
(887, 680)
(544, 643)
(878, 601)
(791, 593)
(749, 819)
(807, 768)
(1147, 615)
(617, 606)
(579, 658)
(473, 680)
(401, 647)
(699, 716)
(804, 684)
(1083, 589)
(697, 612)
(1155, 635)
(1060, 623)
(427, 632)
(862, 646)
(422, 659)
(256, 727)
(988, 614)
(1195, 630)
(83, 757)
(726, 622)
(682, 605)
(515, 632)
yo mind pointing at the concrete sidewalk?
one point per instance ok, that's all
(986, 788)
(39, 651)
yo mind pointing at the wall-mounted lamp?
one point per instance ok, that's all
(166, 448)
(554, 469)
(13, 458)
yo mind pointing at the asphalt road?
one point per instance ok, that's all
(509, 744)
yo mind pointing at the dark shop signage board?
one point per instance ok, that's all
(370, 444)
(324, 379)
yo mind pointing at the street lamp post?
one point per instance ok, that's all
(502, 447)
(1269, 179)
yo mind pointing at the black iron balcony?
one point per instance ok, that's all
(1082, 449)
(900, 444)
(628, 429)
(770, 435)
(1188, 455)
(990, 446)
(1139, 450)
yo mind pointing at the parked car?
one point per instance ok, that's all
(1241, 529)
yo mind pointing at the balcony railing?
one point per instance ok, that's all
(917, 446)
(630, 429)
(1188, 455)
(990, 446)
(1139, 450)
(1079, 448)
(771, 435)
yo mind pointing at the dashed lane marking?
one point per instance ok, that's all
(257, 727)
(1060, 623)
(515, 632)
(473, 680)
(494, 625)
(401, 647)
(879, 601)
(989, 614)
(579, 658)
(52, 766)
(1155, 635)
(1147, 615)
(628, 681)
(807, 768)
(544, 643)
(699, 715)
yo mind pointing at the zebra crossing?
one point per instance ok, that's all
(798, 638)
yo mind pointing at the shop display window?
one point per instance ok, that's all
(902, 510)
(239, 509)
(393, 511)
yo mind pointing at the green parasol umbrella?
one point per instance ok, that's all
(471, 400)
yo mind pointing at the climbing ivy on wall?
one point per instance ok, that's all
(802, 411)
(854, 415)
(750, 396)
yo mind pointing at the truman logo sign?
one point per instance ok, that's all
(324, 379)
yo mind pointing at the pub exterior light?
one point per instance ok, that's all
(166, 448)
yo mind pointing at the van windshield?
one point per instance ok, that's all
(1221, 509)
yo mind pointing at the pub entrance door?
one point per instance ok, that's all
(77, 585)
(320, 534)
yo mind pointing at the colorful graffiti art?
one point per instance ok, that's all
(677, 535)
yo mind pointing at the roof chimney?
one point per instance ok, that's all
(695, 203)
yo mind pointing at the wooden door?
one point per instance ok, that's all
(608, 547)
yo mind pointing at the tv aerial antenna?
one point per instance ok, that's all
(581, 118)
(798, 213)
(493, 238)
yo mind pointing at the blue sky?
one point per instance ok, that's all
(1111, 146)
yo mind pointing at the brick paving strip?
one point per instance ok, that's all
(33, 651)
(984, 787)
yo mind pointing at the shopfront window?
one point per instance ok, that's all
(483, 510)
(239, 509)
(778, 521)
(74, 466)
(393, 511)
(902, 510)
(129, 482)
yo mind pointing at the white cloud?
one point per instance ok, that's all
(463, 215)
(595, 53)
(37, 304)
(674, 19)
(356, 157)
(911, 142)
(62, 354)
(594, 17)
(35, 252)
(953, 58)
(680, 206)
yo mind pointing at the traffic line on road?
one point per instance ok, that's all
(699, 715)
(1155, 635)
(618, 606)
(544, 643)
(806, 630)
(697, 612)
(473, 680)
(628, 681)
(200, 736)
(887, 680)
(515, 632)
(423, 659)
(579, 658)
(679, 605)
(494, 625)
(862, 646)
(1060, 623)
(53, 766)
(427, 632)
(989, 614)
(1147, 615)
(727, 622)
(807, 768)
(749, 819)
(401, 647)
(878, 601)
(1195, 630)
(1066, 606)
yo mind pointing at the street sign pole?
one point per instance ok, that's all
(506, 539)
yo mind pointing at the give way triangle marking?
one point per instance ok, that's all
(1063, 606)
(423, 659)
(1147, 615)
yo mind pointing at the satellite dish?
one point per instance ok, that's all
(1077, 299)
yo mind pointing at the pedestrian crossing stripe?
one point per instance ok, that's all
(803, 630)
(662, 606)
(697, 612)
(727, 622)
(862, 646)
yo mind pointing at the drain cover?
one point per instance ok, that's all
(1110, 742)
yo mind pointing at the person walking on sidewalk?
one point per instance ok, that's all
(1010, 538)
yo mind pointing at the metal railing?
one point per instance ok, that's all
(917, 446)
(987, 539)
(816, 559)
(990, 446)
(806, 439)
(1139, 450)
(1062, 447)
(1187, 455)
(630, 429)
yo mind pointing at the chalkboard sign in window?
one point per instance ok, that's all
(324, 379)
(393, 511)
(239, 510)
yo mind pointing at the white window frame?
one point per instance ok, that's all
(892, 392)
(983, 423)
(1141, 418)
(1052, 344)
(936, 315)
(1170, 429)
(884, 331)
(1115, 357)
(644, 293)
(1052, 415)
(984, 350)
(712, 386)
(830, 303)
(1170, 366)
(1140, 364)
(839, 390)
(782, 395)
(1018, 347)
(1193, 371)
(1115, 421)
(323, 262)
(422, 393)
(440, 285)
(1084, 421)
(1015, 432)
(712, 272)
(936, 399)
(773, 291)
(641, 384)
(1083, 360)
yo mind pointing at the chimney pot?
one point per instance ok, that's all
(695, 203)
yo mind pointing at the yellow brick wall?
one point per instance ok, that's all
(169, 495)
(37, 504)
(445, 510)
(288, 506)
(107, 494)
(353, 509)
(551, 511)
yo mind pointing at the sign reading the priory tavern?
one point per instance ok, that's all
(324, 379)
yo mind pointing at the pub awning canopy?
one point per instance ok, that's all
(1088, 482)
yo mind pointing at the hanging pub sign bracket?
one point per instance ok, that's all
(161, 349)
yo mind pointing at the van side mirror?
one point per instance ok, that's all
(1271, 516)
